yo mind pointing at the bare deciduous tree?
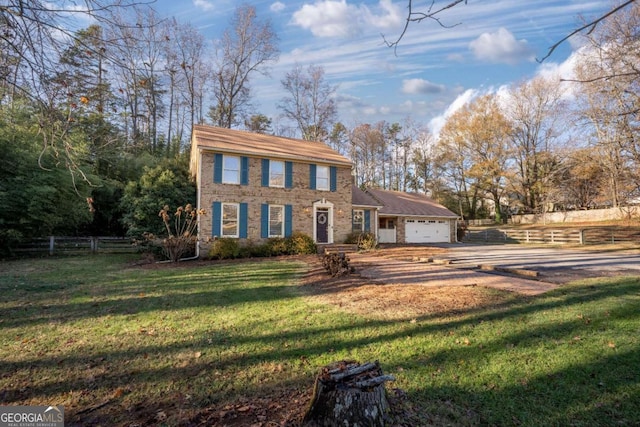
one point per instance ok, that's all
(245, 48)
(310, 102)
(188, 75)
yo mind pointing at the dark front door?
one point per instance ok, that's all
(322, 226)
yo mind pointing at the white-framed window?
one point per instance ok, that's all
(230, 169)
(322, 178)
(276, 173)
(230, 219)
(276, 221)
(358, 220)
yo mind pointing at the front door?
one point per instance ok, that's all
(322, 226)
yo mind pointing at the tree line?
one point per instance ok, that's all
(95, 122)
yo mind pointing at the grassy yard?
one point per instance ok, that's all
(119, 344)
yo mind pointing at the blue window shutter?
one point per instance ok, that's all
(333, 178)
(288, 220)
(367, 220)
(264, 221)
(244, 210)
(217, 168)
(216, 219)
(288, 175)
(265, 172)
(244, 171)
(312, 176)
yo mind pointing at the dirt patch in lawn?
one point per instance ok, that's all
(356, 294)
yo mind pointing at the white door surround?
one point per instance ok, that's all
(322, 206)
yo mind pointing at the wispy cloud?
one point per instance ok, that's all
(277, 7)
(421, 86)
(203, 4)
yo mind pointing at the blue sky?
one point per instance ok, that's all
(495, 43)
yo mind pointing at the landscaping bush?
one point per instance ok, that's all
(301, 244)
(366, 241)
(252, 250)
(225, 248)
(297, 244)
(277, 246)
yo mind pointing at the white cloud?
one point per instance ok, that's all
(501, 47)
(421, 86)
(337, 18)
(277, 7)
(203, 4)
(437, 123)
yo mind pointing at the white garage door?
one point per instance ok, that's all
(426, 231)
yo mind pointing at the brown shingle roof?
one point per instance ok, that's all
(360, 198)
(409, 204)
(249, 143)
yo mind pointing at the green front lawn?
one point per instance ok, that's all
(118, 344)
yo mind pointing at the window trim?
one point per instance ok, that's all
(283, 174)
(225, 169)
(353, 222)
(237, 220)
(282, 223)
(319, 179)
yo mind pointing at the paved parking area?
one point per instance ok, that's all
(552, 266)
(549, 262)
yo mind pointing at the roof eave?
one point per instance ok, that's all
(278, 156)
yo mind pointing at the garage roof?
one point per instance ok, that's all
(409, 204)
(360, 198)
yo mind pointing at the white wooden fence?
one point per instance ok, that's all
(584, 236)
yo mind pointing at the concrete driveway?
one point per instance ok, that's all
(550, 263)
(504, 267)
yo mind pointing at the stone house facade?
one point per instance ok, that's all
(256, 186)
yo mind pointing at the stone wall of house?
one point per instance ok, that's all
(400, 229)
(300, 197)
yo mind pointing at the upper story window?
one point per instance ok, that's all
(276, 173)
(322, 178)
(230, 170)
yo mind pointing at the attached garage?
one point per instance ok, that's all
(412, 218)
(427, 231)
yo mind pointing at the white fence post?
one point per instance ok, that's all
(52, 243)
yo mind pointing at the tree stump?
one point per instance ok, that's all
(348, 394)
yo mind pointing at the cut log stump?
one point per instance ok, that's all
(348, 394)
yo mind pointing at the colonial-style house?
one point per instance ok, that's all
(257, 186)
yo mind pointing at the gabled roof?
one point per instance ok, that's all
(409, 204)
(362, 199)
(254, 144)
